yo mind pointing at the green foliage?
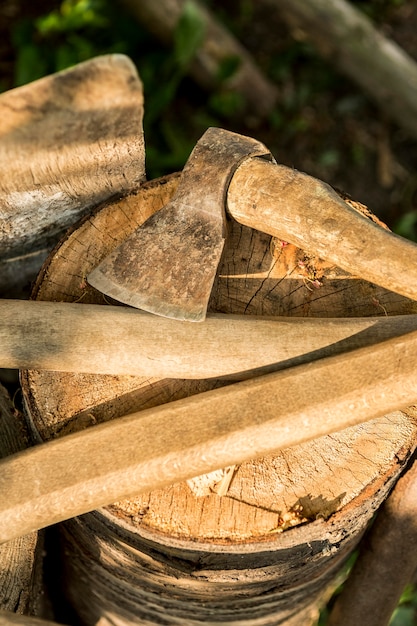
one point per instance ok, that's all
(188, 35)
(377, 10)
(406, 226)
(330, 158)
(404, 615)
(68, 35)
(78, 30)
(30, 61)
(162, 88)
(226, 104)
(342, 576)
(73, 15)
(406, 612)
(169, 143)
(228, 67)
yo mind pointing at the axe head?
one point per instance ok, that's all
(168, 265)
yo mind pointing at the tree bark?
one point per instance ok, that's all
(21, 586)
(347, 39)
(67, 142)
(387, 561)
(218, 46)
(270, 547)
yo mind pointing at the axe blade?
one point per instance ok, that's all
(169, 264)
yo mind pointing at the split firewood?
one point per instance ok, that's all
(13, 619)
(67, 142)
(267, 537)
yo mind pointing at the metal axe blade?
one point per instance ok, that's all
(169, 264)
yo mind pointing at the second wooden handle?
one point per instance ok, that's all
(178, 440)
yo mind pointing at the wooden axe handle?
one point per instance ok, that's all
(119, 340)
(182, 439)
(307, 212)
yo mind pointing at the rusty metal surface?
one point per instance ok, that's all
(169, 264)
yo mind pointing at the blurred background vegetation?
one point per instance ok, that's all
(322, 123)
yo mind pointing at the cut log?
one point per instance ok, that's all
(21, 586)
(387, 561)
(270, 547)
(67, 142)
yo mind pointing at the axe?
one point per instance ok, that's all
(169, 264)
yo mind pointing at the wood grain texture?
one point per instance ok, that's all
(155, 448)
(168, 266)
(387, 561)
(68, 142)
(66, 337)
(304, 211)
(270, 547)
(20, 559)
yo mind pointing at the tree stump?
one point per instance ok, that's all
(21, 586)
(261, 543)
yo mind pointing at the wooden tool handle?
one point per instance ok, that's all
(119, 340)
(308, 213)
(178, 440)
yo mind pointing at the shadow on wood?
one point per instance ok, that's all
(67, 142)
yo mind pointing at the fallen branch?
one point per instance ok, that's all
(348, 39)
(218, 46)
(386, 563)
